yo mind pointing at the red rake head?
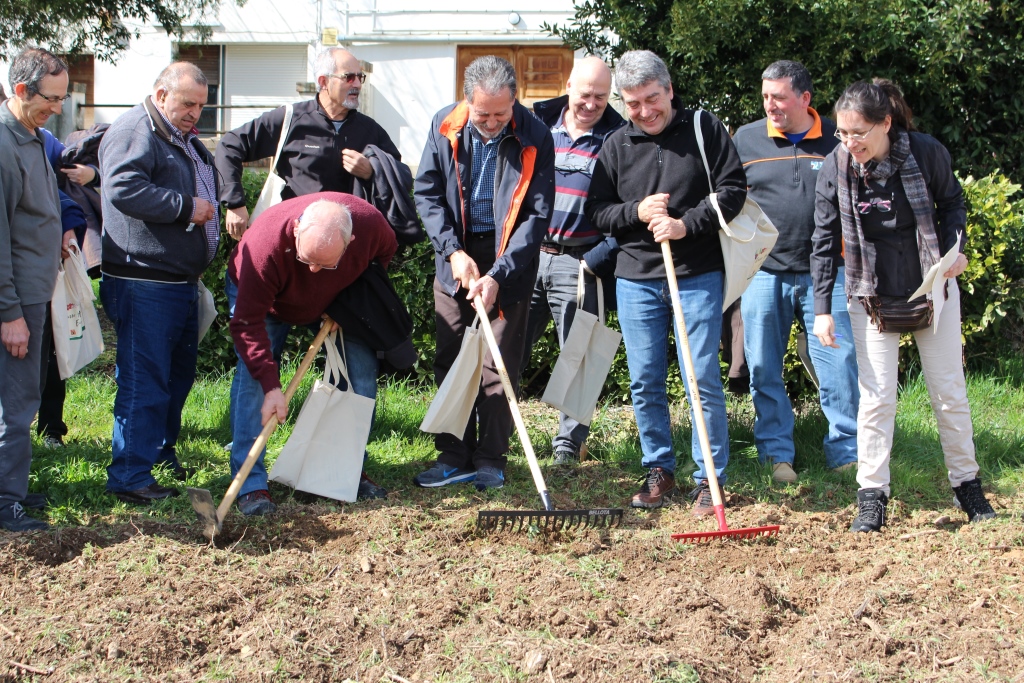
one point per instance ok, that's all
(742, 534)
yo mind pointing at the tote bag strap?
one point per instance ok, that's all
(581, 289)
(700, 144)
(335, 366)
(284, 136)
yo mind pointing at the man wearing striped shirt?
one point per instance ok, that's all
(579, 121)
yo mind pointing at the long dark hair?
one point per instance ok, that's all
(876, 100)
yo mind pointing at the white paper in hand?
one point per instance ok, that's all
(935, 280)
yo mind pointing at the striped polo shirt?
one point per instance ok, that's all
(574, 167)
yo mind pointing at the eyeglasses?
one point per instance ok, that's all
(883, 205)
(855, 137)
(54, 99)
(349, 77)
(310, 263)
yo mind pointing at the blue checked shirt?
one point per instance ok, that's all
(206, 187)
(481, 197)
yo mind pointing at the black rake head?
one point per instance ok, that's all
(548, 520)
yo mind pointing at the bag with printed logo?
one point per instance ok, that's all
(76, 328)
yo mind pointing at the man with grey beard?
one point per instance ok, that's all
(325, 144)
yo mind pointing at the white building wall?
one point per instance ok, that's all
(131, 79)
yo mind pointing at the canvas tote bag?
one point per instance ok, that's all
(746, 240)
(324, 454)
(584, 361)
(207, 310)
(271, 193)
(76, 328)
(452, 405)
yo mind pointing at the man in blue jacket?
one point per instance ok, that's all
(579, 121)
(160, 232)
(486, 238)
(781, 155)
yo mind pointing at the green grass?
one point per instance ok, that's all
(74, 477)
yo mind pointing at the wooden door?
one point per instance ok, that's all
(541, 71)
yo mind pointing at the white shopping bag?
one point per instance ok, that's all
(76, 328)
(274, 184)
(584, 361)
(207, 310)
(324, 454)
(453, 404)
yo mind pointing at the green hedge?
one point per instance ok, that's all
(993, 301)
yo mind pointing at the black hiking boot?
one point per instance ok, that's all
(870, 510)
(971, 499)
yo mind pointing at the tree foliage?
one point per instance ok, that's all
(95, 26)
(959, 62)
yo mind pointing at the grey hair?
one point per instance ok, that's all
(637, 68)
(328, 220)
(31, 65)
(170, 78)
(324, 64)
(491, 74)
(796, 72)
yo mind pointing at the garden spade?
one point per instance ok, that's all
(213, 517)
(698, 423)
(547, 519)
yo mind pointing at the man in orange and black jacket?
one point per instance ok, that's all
(485, 192)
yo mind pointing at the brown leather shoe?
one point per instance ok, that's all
(703, 503)
(659, 483)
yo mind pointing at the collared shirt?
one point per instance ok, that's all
(481, 196)
(574, 167)
(206, 186)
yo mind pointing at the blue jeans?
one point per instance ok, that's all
(247, 394)
(769, 306)
(645, 315)
(554, 297)
(157, 329)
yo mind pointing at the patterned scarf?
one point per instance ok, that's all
(860, 255)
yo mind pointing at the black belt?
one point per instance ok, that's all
(475, 236)
(559, 249)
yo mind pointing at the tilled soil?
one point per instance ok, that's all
(389, 591)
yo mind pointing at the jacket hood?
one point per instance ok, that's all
(549, 111)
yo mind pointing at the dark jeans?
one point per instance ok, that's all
(490, 424)
(52, 388)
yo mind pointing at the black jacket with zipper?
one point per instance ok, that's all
(634, 165)
(781, 177)
(311, 159)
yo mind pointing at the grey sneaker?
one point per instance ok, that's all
(564, 457)
(489, 478)
(442, 475)
(13, 518)
(53, 442)
(256, 503)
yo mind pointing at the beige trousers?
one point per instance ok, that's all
(878, 367)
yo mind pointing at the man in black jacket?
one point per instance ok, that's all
(324, 148)
(782, 155)
(650, 186)
(580, 121)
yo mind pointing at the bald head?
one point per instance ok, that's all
(322, 234)
(588, 87)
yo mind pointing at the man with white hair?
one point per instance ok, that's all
(580, 121)
(160, 232)
(286, 270)
(325, 143)
(485, 191)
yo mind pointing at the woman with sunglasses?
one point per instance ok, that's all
(887, 201)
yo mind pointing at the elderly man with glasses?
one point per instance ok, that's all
(30, 235)
(324, 150)
(286, 270)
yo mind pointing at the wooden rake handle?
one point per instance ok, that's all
(513, 405)
(268, 429)
(691, 379)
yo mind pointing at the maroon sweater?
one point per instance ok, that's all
(272, 281)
